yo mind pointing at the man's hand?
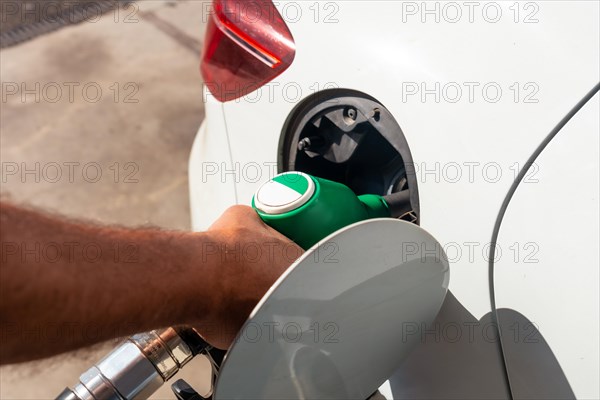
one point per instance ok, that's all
(252, 256)
(68, 284)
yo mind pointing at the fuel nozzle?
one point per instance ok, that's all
(400, 206)
(306, 208)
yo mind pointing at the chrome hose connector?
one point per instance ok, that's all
(135, 369)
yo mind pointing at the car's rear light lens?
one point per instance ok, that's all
(247, 44)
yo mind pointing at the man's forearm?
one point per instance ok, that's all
(65, 284)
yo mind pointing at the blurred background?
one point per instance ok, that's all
(101, 101)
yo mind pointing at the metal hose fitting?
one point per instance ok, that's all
(135, 369)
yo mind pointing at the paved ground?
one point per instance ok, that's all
(104, 113)
(19, 13)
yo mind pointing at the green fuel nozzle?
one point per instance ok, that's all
(306, 208)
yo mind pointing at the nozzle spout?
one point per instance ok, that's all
(399, 204)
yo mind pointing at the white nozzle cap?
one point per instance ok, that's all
(285, 192)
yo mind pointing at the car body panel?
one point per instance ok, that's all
(466, 152)
(210, 159)
(548, 269)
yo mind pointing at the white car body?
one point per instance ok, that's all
(543, 56)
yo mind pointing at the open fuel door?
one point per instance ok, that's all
(332, 326)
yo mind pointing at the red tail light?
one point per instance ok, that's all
(247, 44)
